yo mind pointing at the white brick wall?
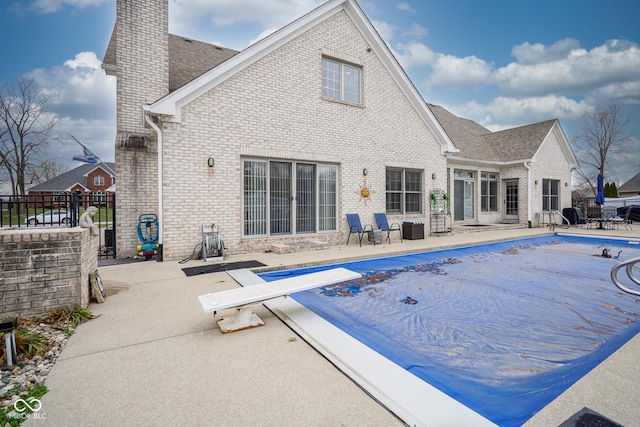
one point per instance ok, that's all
(273, 109)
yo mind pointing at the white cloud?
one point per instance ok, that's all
(184, 15)
(415, 54)
(416, 30)
(453, 72)
(578, 72)
(50, 6)
(82, 98)
(447, 71)
(405, 7)
(385, 30)
(504, 112)
(527, 53)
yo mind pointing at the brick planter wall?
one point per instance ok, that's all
(44, 269)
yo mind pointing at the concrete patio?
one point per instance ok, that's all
(152, 357)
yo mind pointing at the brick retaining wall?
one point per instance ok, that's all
(43, 269)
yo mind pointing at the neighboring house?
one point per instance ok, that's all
(276, 143)
(508, 176)
(94, 182)
(630, 188)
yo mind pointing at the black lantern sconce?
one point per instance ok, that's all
(210, 162)
(365, 172)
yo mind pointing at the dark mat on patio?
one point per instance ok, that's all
(215, 268)
(588, 418)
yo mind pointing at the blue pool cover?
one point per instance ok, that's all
(504, 328)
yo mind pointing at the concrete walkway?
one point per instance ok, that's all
(153, 358)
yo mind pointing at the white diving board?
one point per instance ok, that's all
(256, 291)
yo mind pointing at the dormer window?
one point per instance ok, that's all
(341, 81)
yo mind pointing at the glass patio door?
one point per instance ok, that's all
(511, 200)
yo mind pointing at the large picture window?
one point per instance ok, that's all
(403, 191)
(288, 197)
(489, 192)
(550, 194)
(341, 81)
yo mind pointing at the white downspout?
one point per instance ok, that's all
(160, 201)
(527, 165)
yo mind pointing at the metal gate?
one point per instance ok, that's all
(62, 210)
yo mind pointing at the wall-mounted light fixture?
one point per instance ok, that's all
(210, 162)
(536, 183)
(566, 184)
(365, 172)
(433, 176)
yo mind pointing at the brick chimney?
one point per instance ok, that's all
(138, 55)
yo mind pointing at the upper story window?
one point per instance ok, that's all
(98, 180)
(341, 81)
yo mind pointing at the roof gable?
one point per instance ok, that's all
(515, 145)
(633, 185)
(170, 105)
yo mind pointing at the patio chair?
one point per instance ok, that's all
(617, 221)
(355, 227)
(580, 219)
(383, 224)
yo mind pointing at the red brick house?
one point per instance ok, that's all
(94, 182)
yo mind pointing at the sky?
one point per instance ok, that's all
(501, 63)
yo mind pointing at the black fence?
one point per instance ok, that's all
(62, 210)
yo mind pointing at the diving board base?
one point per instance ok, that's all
(244, 318)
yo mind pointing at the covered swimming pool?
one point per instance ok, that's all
(479, 335)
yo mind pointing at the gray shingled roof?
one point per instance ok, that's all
(70, 178)
(477, 142)
(188, 58)
(631, 186)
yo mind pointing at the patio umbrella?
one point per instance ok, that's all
(600, 195)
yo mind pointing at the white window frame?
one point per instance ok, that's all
(98, 180)
(550, 201)
(343, 78)
(391, 199)
(489, 191)
(257, 201)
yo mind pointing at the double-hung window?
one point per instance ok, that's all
(550, 194)
(288, 197)
(489, 192)
(98, 180)
(403, 191)
(341, 81)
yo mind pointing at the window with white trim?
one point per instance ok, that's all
(98, 180)
(550, 194)
(489, 192)
(403, 191)
(288, 197)
(341, 81)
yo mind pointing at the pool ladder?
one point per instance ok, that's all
(629, 264)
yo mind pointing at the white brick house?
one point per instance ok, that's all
(275, 143)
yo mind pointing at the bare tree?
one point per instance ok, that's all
(46, 170)
(602, 133)
(25, 130)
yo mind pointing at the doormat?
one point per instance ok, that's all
(215, 268)
(588, 418)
